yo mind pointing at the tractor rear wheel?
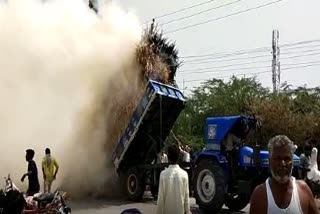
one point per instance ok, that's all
(209, 186)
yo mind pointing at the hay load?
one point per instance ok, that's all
(159, 61)
(157, 56)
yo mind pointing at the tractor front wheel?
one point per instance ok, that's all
(209, 186)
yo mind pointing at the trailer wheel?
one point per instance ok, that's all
(237, 203)
(209, 186)
(133, 185)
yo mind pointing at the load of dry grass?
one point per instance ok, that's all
(158, 60)
(157, 56)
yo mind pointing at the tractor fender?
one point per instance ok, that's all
(210, 155)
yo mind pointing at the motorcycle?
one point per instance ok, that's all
(13, 201)
(46, 203)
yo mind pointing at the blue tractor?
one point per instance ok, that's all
(226, 171)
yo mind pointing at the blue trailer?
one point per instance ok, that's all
(150, 124)
(229, 178)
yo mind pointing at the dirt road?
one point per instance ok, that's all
(103, 206)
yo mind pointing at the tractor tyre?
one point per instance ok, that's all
(209, 186)
(237, 203)
(132, 183)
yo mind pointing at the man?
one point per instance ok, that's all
(230, 143)
(34, 186)
(173, 195)
(282, 193)
(50, 169)
(305, 161)
(162, 157)
(186, 153)
(314, 173)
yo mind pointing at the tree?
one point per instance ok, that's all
(293, 112)
(216, 98)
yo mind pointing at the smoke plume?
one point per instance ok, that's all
(65, 74)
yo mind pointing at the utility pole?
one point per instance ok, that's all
(275, 61)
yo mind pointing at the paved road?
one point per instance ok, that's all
(102, 206)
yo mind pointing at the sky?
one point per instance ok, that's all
(249, 32)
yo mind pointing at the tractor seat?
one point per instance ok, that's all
(44, 197)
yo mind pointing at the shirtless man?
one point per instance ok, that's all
(282, 193)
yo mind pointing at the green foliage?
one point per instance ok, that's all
(295, 112)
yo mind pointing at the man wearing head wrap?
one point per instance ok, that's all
(50, 169)
(34, 186)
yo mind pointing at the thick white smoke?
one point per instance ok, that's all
(61, 66)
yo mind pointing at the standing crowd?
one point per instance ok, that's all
(50, 169)
(280, 193)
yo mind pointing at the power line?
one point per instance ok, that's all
(289, 48)
(201, 12)
(299, 43)
(301, 63)
(222, 17)
(297, 56)
(224, 66)
(205, 70)
(300, 66)
(230, 65)
(196, 62)
(260, 72)
(203, 61)
(253, 50)
(222, 77)
(180, 10)
(303, 51)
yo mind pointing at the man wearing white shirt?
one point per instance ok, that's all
(162, 157)
(173, 195)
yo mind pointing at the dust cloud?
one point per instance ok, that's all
(64, 73)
